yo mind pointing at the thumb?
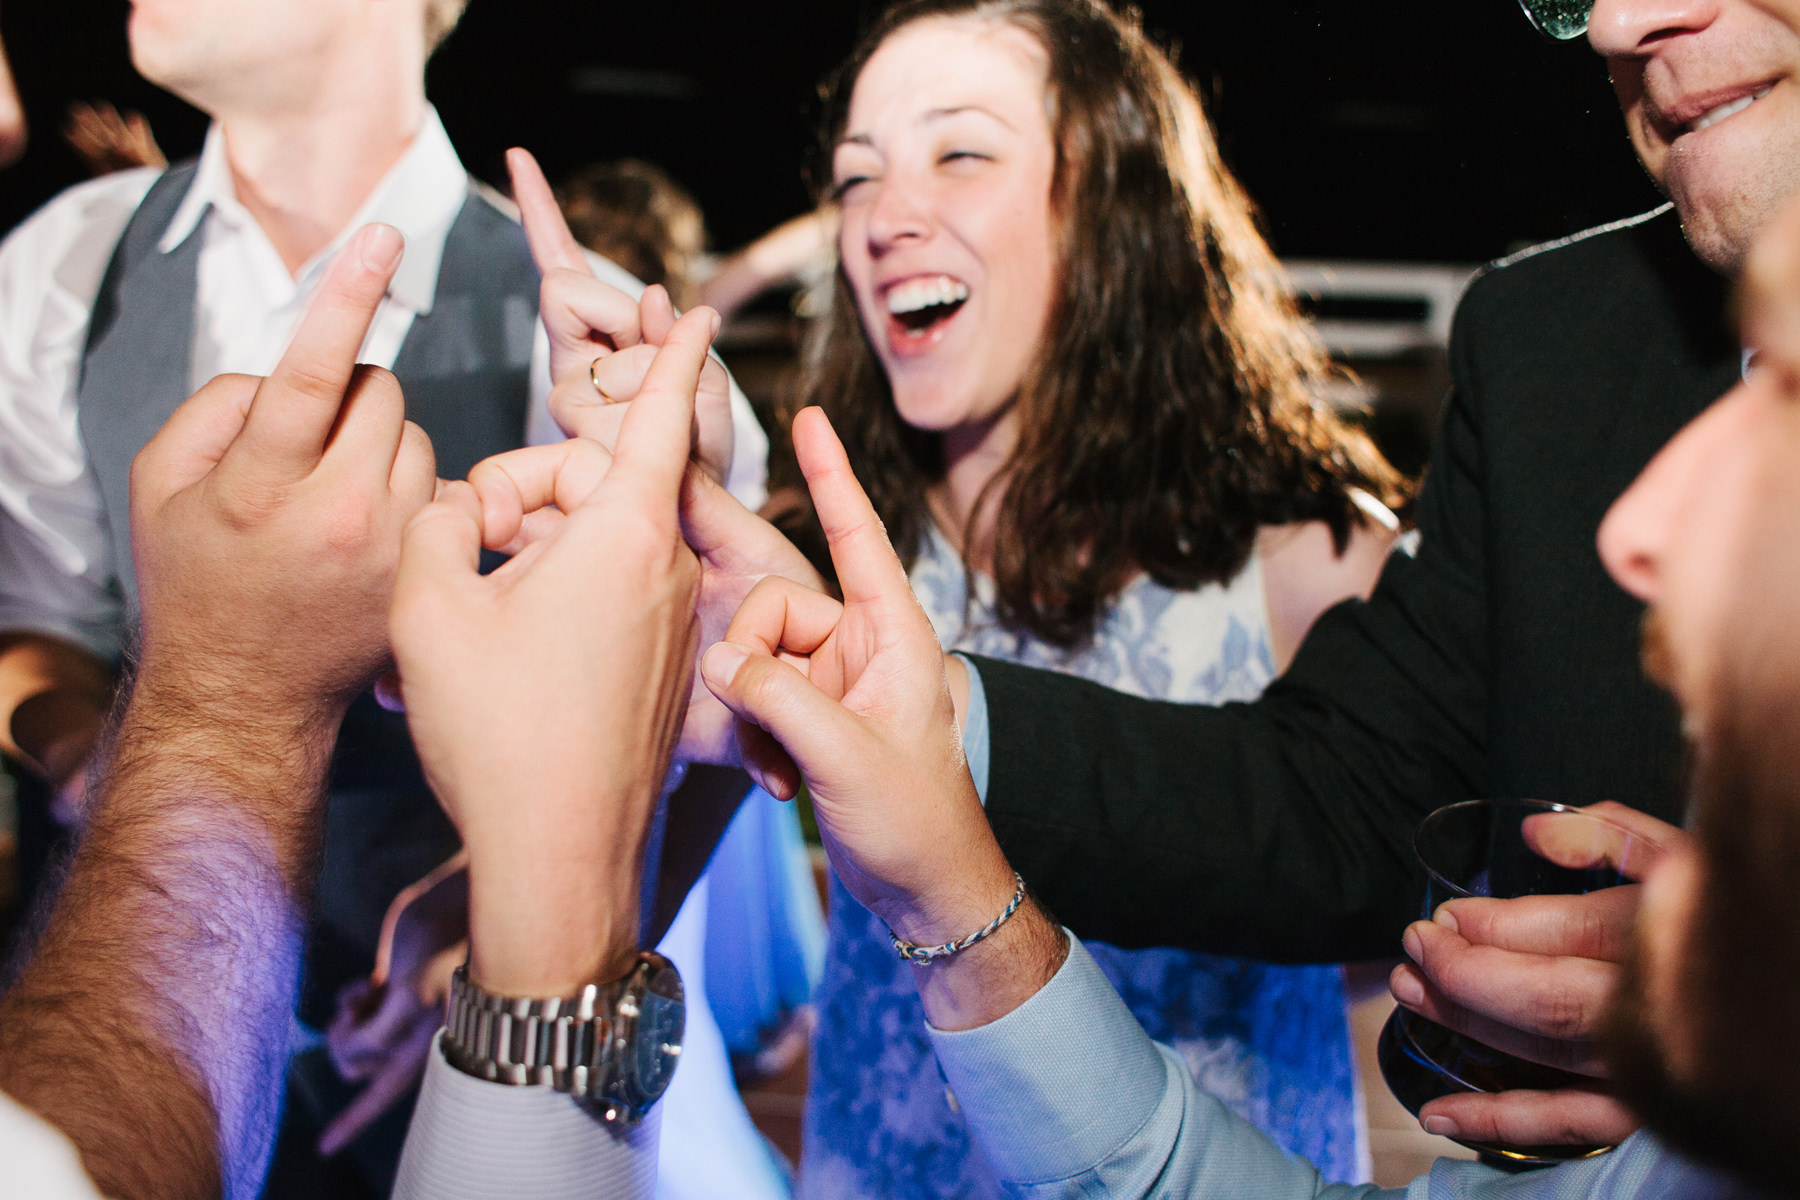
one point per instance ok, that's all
(759, 688)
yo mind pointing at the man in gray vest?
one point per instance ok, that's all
(123, 295)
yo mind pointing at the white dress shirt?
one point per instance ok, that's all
(473, 1140)
(56, 551)
(40, 1161)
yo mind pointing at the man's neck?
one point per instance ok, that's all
(303, 175)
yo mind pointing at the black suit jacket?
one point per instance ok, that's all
(1499, 661)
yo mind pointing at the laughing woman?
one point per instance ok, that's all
(1067, 373)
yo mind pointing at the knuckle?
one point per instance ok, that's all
(1591, 933)
(351, 525)
(1564, 1012)
(250, 507)
(311, 379)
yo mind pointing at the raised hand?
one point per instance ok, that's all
(1532, 977)
(856, 695)
(546, 698)
(266, 515)
(266, 521)
(602, 341)
(737, 550)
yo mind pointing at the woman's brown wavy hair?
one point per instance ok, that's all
(1174, 406)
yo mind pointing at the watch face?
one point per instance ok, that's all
(656, 1046)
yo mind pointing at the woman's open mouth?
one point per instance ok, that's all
(920, 308)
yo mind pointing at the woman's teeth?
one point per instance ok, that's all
(917, 294)
(1726, 110)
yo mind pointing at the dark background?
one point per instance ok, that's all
(1434, 130)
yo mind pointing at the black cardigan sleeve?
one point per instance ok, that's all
(1280, 829)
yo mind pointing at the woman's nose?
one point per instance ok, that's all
(898, 214)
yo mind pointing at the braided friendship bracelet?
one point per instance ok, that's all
(918, 956)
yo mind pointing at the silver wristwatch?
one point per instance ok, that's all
(613, 1046)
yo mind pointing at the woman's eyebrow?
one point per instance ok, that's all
(928, 116)
(939, 114)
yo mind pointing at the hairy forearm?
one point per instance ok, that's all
(53, 698)
(151, 1023)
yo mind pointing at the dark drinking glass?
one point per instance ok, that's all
(1504, 849)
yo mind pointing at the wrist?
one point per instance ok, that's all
(179, 699)
(956, 900)
(993, 977)
(542, 928)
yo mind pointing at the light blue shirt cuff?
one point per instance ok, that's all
(470, 1138)
(975, 730)
(1059, 1083)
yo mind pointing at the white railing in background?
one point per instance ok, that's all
(1430, 289)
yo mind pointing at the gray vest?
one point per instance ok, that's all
(465, 365)
(465, 368)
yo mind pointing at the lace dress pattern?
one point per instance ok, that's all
(1271, 1042)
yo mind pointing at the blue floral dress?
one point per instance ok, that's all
(1271, 1042)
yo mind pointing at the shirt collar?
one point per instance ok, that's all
(421, 196)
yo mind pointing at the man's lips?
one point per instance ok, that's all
(1699, 110)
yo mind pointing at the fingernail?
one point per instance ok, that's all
(1412, 944)
(717, 320)
(721, 664)
(1443, 916)
(1405, 988)
(382, 246)
(1441, 1126)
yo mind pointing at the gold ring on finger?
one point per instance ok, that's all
(594, 378)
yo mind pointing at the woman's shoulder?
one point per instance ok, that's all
(1303, 574)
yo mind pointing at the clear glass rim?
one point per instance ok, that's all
(1534, 806)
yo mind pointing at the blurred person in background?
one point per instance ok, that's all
(122, 295)
(801, 251)
(1064, 365)
(107, 140)
(633, 213)
(12, 115)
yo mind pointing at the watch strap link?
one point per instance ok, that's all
(565, 1043)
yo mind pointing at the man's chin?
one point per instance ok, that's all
(1725, 206)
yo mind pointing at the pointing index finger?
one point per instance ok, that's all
(867, 566)
(298, 404)
(552, 245)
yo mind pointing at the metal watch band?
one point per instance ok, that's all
(594, 1045)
